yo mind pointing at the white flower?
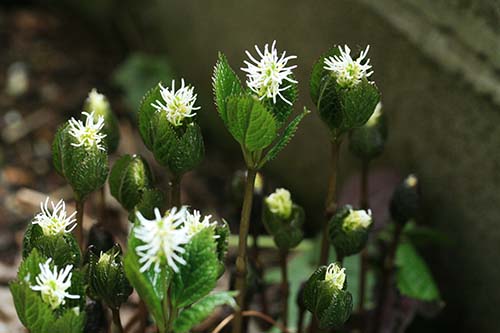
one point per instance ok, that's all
(88, 134)
(163, 238)
(358, 219)
(52, 284)
(375, 115)
(194, 224)
(56, 221)
(280, 203)
(266, 77)
(335, 275)
(176, 105)
(348, 71)
(97, 101)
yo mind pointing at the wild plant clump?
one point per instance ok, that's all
(175, 254)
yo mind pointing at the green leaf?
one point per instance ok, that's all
(319, 73)
(413, 277)
(129, 178)
(285, 138)
(151, 199)
(222, 232)
(29, 267)
(146, 117)
(250, 123)
(69, 322)
(281, 110)
(189, 150)
(31, 310)
(202, 309)
(150, 286)
(225, 83)
(287, 233)
(358, 103)
(199, 275)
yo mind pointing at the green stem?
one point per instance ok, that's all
(241, 260)
(330, 202)
(284, 286)
(117, 323)
(364, 203)
(175, 191)
(80, 206)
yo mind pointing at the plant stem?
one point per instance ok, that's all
(80, 206)
(117, 323)
(175, 191)
(250, 313)
(241, 260)
(330, 202)
(386, 277)
(284, 286)
(364, 203)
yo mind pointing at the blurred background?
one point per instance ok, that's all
(436, 62)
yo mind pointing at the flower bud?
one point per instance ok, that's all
(106, 278)
(404, 202)
(99, 105)
(348, 230)
(129, 178)
(326, 297)
(79, 155)
(283, 219)
(168, 129)
(368, 141)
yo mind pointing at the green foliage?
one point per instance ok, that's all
(202, 309)
(413, 277)
(129, 178)
(222, 233)
(287, 233)
(346, 241)
(282, 110)
(342, 109)
(138, 73)
(330, 306)
(180, 149)
(62, 248)
(225, 84)
(84, 168)
(106, 278)
(199, 275)
(151, 199)
(368, 141)
(250, 123)
(150, 286)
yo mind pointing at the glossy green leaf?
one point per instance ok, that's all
(151, 199)
(225, 84)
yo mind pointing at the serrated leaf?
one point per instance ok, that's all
(69, 322)
(150, 286)
(319, 73)
(281, 110)
(199, 275)
(31, 310)
(146, 116)
(358, 103)
(250, 123)
(285, 138)
(189, 150)
(413, 276)
(225, 83)
(29, 267)
(151, 199)
(129, 178)
(202, 309)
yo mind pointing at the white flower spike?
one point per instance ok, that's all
(176, 105)
(88, 134)
(163, 238)
(267, 77)
(349, 72)
(335, 275)
(194, 224)
(280, 202)
(97, 101)
(55, 221)
(358, 219)
(52, 284)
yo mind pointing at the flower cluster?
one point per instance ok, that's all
(358, 219)
(349, 72)
(56, 221)
(176, 105)
(88, 134)
(335, 275)
(164, 236)
(52, 284)
(265, 77)
(280, 203)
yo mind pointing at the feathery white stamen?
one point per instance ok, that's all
(194, 224)
(266, 76)
(163, 238)
(176, 105)
(56, 221)
(52, 284)
(349, 72)
(335, 275)
(88, 134)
